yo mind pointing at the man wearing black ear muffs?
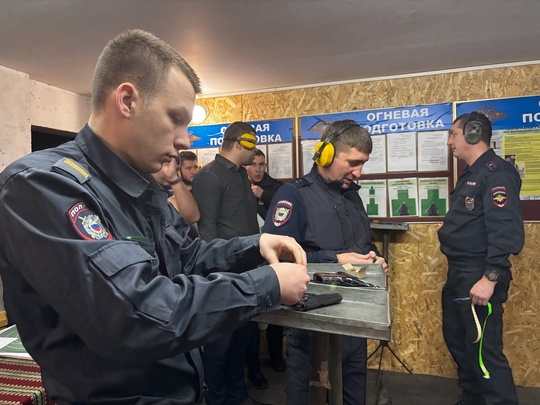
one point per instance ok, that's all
(482, 228)
(325, 214)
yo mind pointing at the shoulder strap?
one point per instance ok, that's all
(74, 169)
(301, 182)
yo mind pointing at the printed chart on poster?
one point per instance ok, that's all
(516, 138)
(409, 145)
(373, 194)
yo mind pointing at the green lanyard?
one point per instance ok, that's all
(481, 337)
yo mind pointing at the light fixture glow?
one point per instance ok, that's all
(199, 114)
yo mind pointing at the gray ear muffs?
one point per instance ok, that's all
(473, 130)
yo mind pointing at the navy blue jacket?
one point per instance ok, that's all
(484, 223)
(109, 295)
(323, 218)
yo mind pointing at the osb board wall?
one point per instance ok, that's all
(418, 269)
(417, 275)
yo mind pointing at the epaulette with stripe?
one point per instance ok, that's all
(491, 166)
(69, 166)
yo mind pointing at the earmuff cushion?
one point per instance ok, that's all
(248, 141)
(324, 151)
(473, 131)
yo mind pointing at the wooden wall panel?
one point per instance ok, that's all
(418, 269)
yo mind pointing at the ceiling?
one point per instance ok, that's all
(240, 46)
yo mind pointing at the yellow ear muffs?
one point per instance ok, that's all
(324, 153)
(248, 141)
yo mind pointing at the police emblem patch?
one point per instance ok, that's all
(469, 203)
(499, 196)
(282, 213)
(87, 223)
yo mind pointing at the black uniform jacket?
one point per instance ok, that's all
(269, 186)
(484, 223)
(109, 295)
(324, 218)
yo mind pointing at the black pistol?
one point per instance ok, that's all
(312, 301)
(342, 279)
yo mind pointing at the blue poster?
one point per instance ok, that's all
(506, 113)
(268, 132)
(433, 117)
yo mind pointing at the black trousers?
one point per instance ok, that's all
(354, 368)
(223, 362)
(274, 338)
(460, 332)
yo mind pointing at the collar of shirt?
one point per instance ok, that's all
(227, 163)
(332, 184)
(481, 161)
(124, 176)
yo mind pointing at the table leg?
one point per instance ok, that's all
(336, 377)
(318, 380)
(326, 375)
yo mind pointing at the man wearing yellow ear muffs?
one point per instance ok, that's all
(325, 214)
(228, 209)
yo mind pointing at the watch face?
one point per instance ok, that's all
(492, 276)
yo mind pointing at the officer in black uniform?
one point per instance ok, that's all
(325, 214)
(482, 228)
(109, 295)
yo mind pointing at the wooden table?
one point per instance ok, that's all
(363, 312)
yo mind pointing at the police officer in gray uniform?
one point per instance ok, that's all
(325, 214)
(109, 295)
(482, 228)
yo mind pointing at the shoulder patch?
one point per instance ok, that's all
(282, 213)
(73, 168)
(87, 223)
(499, 196)
(301, 182)
(491, 166)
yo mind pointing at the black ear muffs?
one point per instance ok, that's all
(248, 141)
(324, 150)
(473, 130)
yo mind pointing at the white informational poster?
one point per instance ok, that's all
(279, 160)
(206, 155)
(433, 196)
(377, 158)
(373, 195)
(432, 151)
(308, 148)
(403, 196)
(401, 152)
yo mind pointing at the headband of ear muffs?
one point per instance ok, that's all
(473, 130)
(324, 150)
(248, 141)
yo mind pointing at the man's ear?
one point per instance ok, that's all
(126, 97)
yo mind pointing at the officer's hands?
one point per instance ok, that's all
(357, 258)
(293, 279)
(276, 247)
(482, 291)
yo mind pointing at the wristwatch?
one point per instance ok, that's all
(492, 275)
